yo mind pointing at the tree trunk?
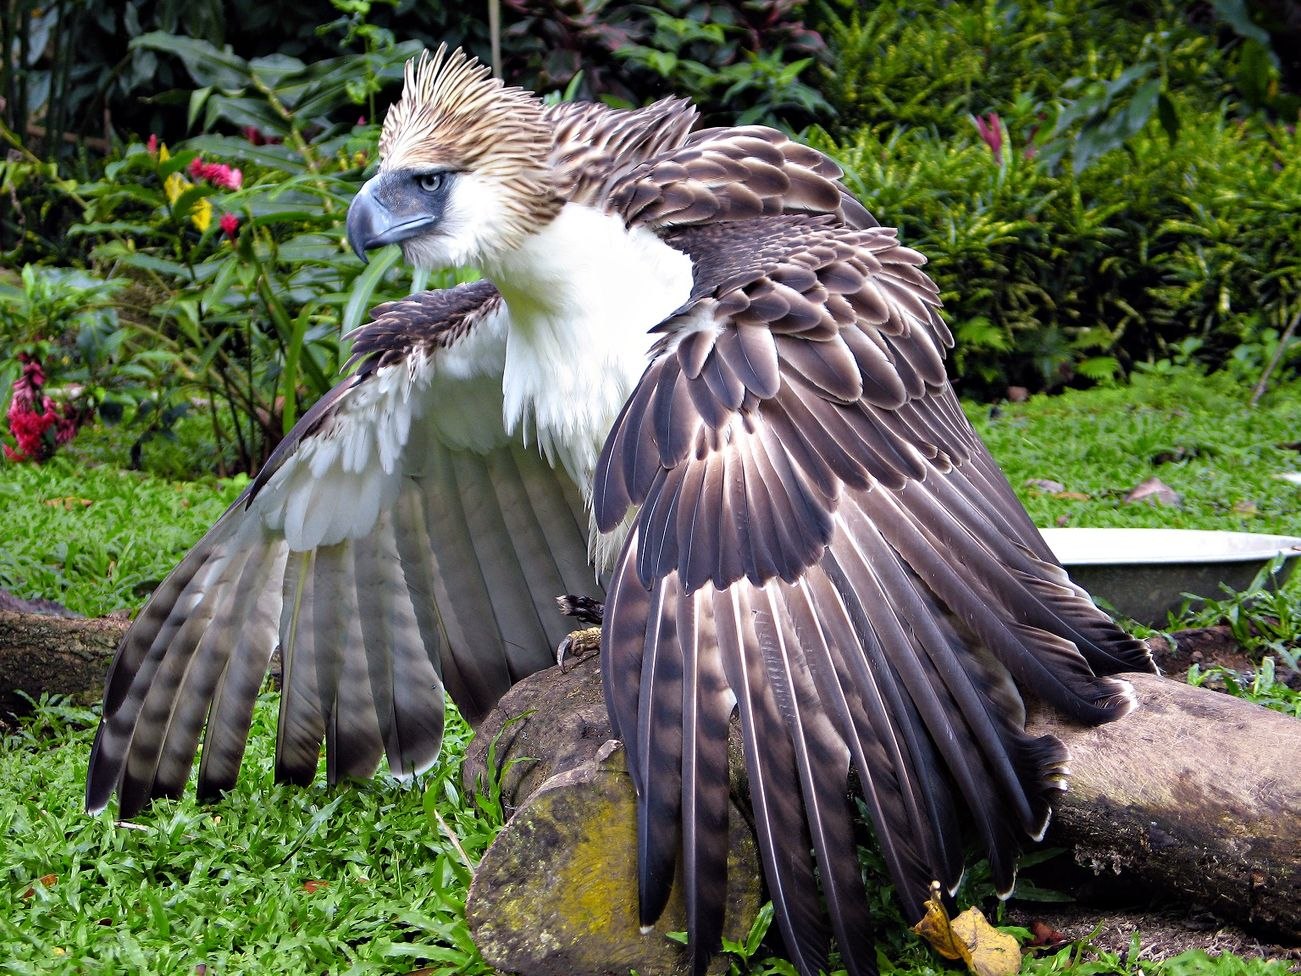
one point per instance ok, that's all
(1195, 793)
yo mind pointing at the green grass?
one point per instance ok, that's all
(226, 885)
(98, 539)
(1196, 433)
(347, 880)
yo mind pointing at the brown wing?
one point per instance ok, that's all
(824, 545)
(736, 173)
(392, 546)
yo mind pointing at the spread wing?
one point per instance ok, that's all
(395, 543)
(824, 546)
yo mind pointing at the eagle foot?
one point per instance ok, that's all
(578, 644)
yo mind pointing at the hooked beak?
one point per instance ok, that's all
(371, 224)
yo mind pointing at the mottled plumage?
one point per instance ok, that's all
(743, 376)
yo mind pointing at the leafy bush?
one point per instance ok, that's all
(936, 63)
(227, 256)
(1087, 197)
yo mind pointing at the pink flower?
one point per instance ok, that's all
(226, 177)
(152, 144)
(218, 174)
(990, 129)
(361, 120)
(229, 225)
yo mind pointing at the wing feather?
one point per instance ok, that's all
(879, 600)
(382, 547)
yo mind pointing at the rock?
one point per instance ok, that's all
(556, 893)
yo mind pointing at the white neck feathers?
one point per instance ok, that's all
(582, 295)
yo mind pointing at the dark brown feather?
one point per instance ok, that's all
(878, 595)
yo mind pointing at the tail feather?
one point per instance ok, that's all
(822, 761)
(231, 711)
(407, 691)
(300, 728)
(658, 742)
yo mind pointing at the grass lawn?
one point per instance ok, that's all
(371, 879)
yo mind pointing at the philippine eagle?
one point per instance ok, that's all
(698, 360)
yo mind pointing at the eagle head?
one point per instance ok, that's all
(463, 174)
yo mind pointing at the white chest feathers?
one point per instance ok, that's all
(582, 297)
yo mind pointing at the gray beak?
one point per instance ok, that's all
(372, 224)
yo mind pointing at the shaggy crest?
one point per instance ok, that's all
(454, 115)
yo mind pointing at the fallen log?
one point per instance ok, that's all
(1195, 792)
(40, 653)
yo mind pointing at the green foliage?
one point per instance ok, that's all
(932, 64)
(320, 880)
(1263, 686)
(232, 281)
(1265, 620)
(760, 87)
(247, 312)
(1084, 959)
(739, 59)
(64, 318)
(1119, 204)
(1053, 276)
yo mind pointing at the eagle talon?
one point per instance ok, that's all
(580, 643)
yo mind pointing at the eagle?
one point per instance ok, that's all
(700, 382)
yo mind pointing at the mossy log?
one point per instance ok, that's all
(1195, 793)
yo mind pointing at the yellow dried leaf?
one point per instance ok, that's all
(935, 928)
(989, 951)
(985, 950)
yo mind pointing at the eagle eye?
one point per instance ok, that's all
(429, 182)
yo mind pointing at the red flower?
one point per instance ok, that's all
(229, 225)
(361, 120)
(152, 144)
(32, 414)
(196, 167)
(990, 129)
